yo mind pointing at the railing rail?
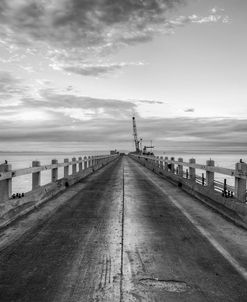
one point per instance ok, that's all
(208, 178)
(6, 172)
(220, 170)
(25, 171)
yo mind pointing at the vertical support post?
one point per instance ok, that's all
(80, 164)
(203, 180)
(210, 175)
(240, 183)
(36, 176)
(85, 162)
(161, 163)
(172, 165)
(54, 171)
(180, 167)
(224, 188)
(166, 163)
(157, 161)
(6, 184)
(66, 168)
(192, 171)
(73, 165)
(89, 161)
(187, 173)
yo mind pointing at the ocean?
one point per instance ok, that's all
(23, 183)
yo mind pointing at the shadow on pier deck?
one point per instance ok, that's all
(123, 234)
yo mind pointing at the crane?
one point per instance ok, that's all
(137, 142)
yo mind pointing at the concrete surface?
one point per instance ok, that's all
(127, 235)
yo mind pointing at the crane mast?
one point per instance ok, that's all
(135, 135)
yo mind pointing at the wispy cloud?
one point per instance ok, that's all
(214, 17)
(98, 69)
(73, 34)
(11, 89)
(189, 110)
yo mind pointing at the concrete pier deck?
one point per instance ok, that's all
(127, 235)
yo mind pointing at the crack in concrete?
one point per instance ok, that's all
(122, 242)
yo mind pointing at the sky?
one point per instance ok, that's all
(73, 73)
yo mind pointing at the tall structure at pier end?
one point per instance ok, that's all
(138, 142)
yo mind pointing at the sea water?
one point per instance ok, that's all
(23, 183)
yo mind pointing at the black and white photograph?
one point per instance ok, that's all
(123, 151)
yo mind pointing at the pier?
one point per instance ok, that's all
(124, 228)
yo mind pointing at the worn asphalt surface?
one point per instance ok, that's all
(120, 239)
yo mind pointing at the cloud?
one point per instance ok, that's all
(11, 88)
(8, 83)
(99, 69)
(149, 102)
(67, 118)
(76, 23)
(62, 110)
(216, 10)
(214, 17)
(189, 110)
(74, 34)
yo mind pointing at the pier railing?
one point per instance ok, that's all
(187, 170)
(78, 165)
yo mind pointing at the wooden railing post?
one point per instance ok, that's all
(66, 168)
(54, 171)
(192, 171)
(36, 176)
(180, 167)
(73, 165)
(240, 183)
(6, 184)
(80, 164)
(210, 175)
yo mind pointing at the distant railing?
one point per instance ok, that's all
(207, 179)
(78, 165)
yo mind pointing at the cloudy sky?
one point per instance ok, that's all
(73, 72)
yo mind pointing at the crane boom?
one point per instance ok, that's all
(135, 135)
